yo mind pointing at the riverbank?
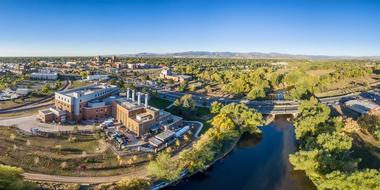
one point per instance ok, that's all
(220, 157)
(259, 163)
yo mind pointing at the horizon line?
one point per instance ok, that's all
(194, 51)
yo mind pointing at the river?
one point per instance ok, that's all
(255, 163)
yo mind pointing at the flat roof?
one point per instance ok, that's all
(368, 105)
(155, 142)
(143, 114)
(165, 135)
(46, 112)
(163, 113)
(128, 104)
(86, 89)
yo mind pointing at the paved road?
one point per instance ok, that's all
(140, 172)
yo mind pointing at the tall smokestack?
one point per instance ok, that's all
(128, 94)
(146, 100)
(138, 98)
(133, 95)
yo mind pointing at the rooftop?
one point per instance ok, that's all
(362, 106)
(128, 104)
(46, 112)
(86, 89)
(365, 104)
(165, 135)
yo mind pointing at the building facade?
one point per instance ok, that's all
(168, 74)
(44, 75)
(75, 101)
(135, 116)
(98, 102)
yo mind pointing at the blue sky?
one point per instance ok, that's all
(75, 27)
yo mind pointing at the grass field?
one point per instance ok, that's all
(159, 102)
(79, 83)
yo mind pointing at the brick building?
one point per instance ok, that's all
(97, 102)
(81, 103)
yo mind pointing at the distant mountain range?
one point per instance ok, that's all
(250, 55)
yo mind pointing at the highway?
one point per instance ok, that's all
(272, 106)
(265, 107)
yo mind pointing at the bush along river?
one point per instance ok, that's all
(257, 162)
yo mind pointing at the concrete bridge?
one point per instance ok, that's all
(272, 107)
(267, 107)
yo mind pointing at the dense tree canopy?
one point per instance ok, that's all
(311, 116)
(325, 151)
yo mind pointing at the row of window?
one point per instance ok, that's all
(63, 99)
(61, 105)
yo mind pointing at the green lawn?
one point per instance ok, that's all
(202, 111)
(159, 102)
(79, 83)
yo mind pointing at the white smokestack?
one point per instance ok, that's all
(138, 98)
(146, 100)
(133, 95)
(128, 94)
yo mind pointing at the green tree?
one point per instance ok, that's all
(216, 107)
(311, 115)
(45, 89)
(11, 179)
(188, 102)
(225, 125)
(256, 93)
(334, 142)
(245, 118)
(184, 105)
(83, 74)
(367, 179)
(133, 184)
(164, 167)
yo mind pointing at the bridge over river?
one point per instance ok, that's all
(272, 107)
